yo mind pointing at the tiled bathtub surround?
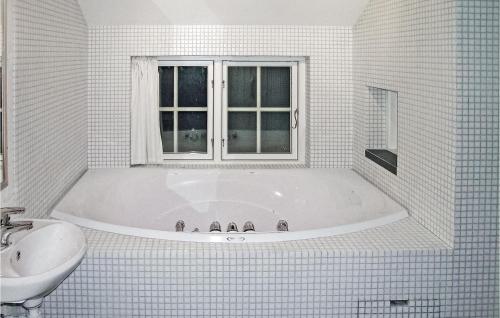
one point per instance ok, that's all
(329, 79)
(125, 276)
(47, 106)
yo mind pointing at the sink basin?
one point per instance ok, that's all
(38, 260)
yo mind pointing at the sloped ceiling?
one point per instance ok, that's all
(242, 12)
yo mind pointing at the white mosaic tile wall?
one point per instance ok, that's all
(329, 75)
(477, 157)
(442, 57)
(48, 109)
(410, 47)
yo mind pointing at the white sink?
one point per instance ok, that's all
(38, 260)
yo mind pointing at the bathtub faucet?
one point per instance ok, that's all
(282, 226)
(8, 227)
(232, 227)
(215, 227)
(179, 226)
(248, 227)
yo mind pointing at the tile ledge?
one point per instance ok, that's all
(406, 235)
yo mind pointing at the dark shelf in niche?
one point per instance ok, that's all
(383, 158)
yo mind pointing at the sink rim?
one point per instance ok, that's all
(53, 272)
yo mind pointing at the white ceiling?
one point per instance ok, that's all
(243, 12)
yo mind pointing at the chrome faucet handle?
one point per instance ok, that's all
(7, 211)
(248, 227)
(232, 227)
(282, 226)
(215, 227)
(179, 226)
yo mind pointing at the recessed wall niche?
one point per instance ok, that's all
(382, 141)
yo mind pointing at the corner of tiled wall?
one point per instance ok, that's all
(477, 156)
(48, 102)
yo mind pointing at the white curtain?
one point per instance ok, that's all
(146, 146)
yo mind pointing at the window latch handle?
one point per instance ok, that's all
(296, 119)
(222, 142)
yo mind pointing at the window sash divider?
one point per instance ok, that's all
(183, 109)
(176, 102)
(258, 110)
(262, 109)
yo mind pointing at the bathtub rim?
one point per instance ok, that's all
(231, 238)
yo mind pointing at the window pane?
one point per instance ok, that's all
(242, 86)
(275, 132)
(242, 132)
(167, 131)
(275, 86)
(192, 86)
(166, 86)
(192, 136)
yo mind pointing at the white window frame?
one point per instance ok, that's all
(217, 92)
(176, 109)
(294, 112)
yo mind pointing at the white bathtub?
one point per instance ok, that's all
(148, 202)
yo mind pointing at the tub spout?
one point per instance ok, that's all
(232, 227)
(215, 227)
(248, 227)
(282, 226)
(179, 226)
